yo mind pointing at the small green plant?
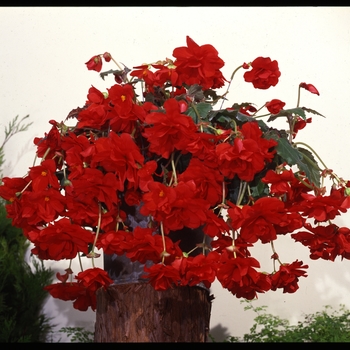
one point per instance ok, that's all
(328, 325)
(21, 284)
(78, 334)
(14, 127)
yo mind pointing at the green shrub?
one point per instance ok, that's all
(328, 325)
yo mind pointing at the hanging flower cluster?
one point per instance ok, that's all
(186, 167)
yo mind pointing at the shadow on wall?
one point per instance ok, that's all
(218, 333)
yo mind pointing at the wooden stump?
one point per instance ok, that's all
(135, 312)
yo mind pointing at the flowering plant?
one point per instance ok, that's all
(185, 166)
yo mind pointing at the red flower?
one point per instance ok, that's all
(240, 277)
(208, 181)
(50, 144)
(42, 206)
(119, 155)
(263, 220)
(93, 279)
(325, 242)
(114, 242)
(274, 106)
(265, 73)
(94, 63)
(143, 72)
(300, 124)
(162, 277)
(164, 74)
(43, 175)
(61, 240)
(287, 276)
(176, 207)
(107, 56)
(215, 226)
(65, 291)
(12, 187)
(248, 110)
(247, 156)
(146, 245)
(169, 131)
(95, 185)
(322, 208)
(309, 87)
(200, 268)
(280, 182)
(198, 65)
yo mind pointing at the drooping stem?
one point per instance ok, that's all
(164, 252)
(198, 116)
(229, 84)
(242, 188)
(298, 101)
(96, 235)
(80, 263)
(173, 167)
(276, 256)
(313, 151)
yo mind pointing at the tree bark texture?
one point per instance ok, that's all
(135, 312)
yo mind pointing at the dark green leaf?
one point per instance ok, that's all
(202, 109)
(309, 166)
(260, 190)
(300, 157)
(195, 91)
(285, 150)
(287, 113)
(309, 110)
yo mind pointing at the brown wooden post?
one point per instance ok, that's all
(135, 312)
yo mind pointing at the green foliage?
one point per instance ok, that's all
(78, 334)
(328, 325)
(14, 127)
(21, 286)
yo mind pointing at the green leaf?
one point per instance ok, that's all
(309, 166)
(287, 113)
(309, 110)
(300, 157)
(260, 190)
(202, 109)
(285, 150)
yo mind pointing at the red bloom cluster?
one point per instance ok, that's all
(264, 73)
(209, 184)
(198, 65)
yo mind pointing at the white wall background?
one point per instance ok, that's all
(42, 73)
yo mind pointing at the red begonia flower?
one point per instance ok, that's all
(240, 277)
(287, 276)
(43, 175)
(274, 106)
(198, 65)
(162, 277)
(65, 291)
(247, 156)
(94, 63)
(321, 208)
(107, 56)
(94, 278)
(300, 124)
(201, 268)
(169, 131)
(280, 182)
(264, 73)
(325, 242)
(309, 87)
(61, 240)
